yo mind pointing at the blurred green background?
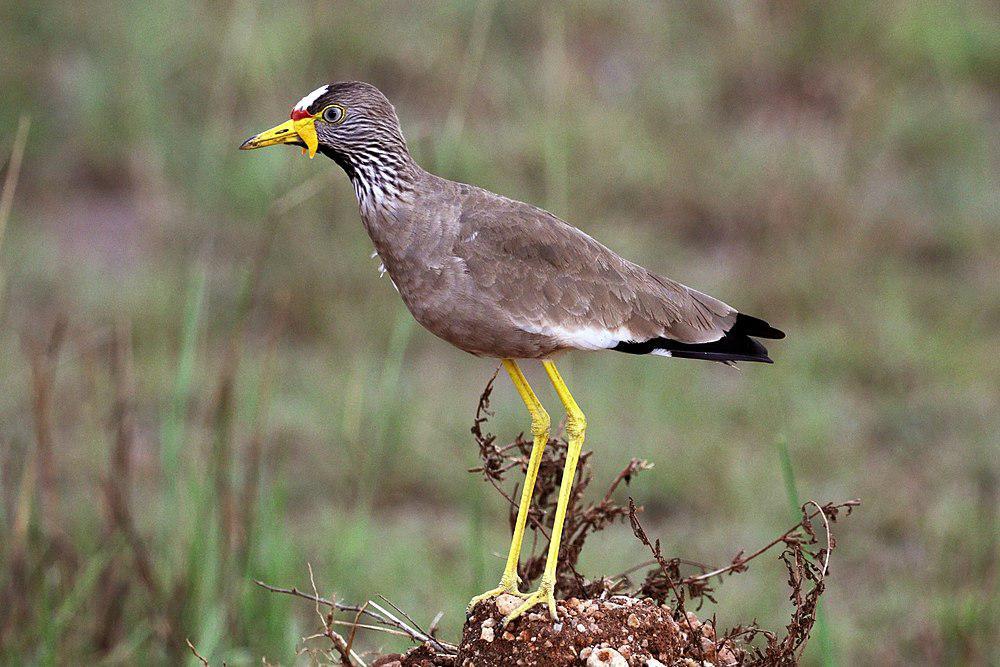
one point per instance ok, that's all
(830, 166)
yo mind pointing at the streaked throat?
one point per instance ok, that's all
(381, 180)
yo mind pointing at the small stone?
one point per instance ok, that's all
(507, 636)
(653, 662)
(486, 634)
(507, 603)
(585, 653)
(580, 627)
(606, 657)
(633, 621)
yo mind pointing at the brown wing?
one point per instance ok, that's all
(550, 278)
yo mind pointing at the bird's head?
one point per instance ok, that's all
(347, 120)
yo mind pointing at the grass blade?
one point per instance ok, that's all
(13, 172)
(10, 182)
(173, 429)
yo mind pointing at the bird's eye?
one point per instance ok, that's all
(333, 114)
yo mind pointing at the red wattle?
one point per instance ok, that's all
(299, 114)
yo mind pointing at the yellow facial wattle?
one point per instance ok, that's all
(301, 128)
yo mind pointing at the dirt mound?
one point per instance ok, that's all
(616, 632)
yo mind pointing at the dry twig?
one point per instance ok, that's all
(384, 622)
(800, 558)
(197, 655)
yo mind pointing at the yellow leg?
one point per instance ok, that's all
(540, 431)
(576, 426)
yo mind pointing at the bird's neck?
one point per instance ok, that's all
(382, 179)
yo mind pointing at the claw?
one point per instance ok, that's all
(544, 594)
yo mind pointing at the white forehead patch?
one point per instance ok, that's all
(304, 103)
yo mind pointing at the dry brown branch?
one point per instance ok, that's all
(198, 656)
(800, 558)
(343, 648)
(118, 482)
(354, 627)
(43, 358)
(739, 560)
(385, 621)
(118, 511)
(668, 570)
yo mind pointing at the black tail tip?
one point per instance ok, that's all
(754, 326)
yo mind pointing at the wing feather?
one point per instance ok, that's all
(551, 278)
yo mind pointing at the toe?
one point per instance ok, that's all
(499, 590)
(536, 598)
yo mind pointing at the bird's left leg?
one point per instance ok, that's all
(576, 426)
(540, 431)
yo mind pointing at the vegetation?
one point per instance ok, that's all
(205, 382)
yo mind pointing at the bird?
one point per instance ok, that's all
(500, 278)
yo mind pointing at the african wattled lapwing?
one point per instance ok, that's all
(500, 278)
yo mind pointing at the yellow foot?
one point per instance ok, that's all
(508, 587)
(544, 595)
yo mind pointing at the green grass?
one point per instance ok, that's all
(829, 166)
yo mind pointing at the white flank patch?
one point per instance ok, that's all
(304, 103)
(662, 353)
(585, 338)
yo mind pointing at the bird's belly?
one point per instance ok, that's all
(444, 305)
(490, 337)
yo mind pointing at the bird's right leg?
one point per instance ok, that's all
(540, 430)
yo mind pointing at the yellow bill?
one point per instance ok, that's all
(299, 130)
